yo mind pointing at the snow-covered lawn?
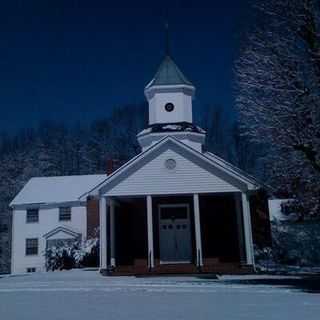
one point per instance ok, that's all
(87, 295)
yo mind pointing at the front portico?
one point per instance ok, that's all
(193, 216)
(176, 234)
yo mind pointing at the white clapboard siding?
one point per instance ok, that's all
(155, 178)
(48, 221)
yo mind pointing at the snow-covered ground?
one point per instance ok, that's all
(87, 295)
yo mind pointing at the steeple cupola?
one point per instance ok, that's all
(169, 95)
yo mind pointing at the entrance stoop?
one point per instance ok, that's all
(179, 269)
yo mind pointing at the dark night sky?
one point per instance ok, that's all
(76, 60)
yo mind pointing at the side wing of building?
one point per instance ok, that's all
(47, 211)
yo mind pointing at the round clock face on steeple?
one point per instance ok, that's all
(169, 107)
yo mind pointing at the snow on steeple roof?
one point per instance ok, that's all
(168, 74)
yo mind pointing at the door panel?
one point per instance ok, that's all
(174, 233)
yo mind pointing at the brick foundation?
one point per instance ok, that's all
(141, 268)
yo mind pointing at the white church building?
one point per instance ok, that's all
(174, 208)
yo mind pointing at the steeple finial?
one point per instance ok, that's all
(167, 43)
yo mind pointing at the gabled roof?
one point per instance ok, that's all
(232, 168)
(51, 190)
(66, 230)
(168, 74)
(231, 175)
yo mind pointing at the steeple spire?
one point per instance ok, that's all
(168, 73)
(167, 43)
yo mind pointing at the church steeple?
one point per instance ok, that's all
(170, 95)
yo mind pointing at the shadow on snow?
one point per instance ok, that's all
(309, 284)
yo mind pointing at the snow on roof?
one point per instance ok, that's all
(172, 127)
(62, 229)
(49, 190)
(275, 211)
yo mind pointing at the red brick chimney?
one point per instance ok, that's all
(113, 165)
(92, 217)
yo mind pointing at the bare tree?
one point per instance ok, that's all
(278, 78)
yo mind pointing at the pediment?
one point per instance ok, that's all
(194, 173)
(61, 233)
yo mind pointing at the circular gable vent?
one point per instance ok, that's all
(170, 164)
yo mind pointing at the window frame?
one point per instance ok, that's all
(28, 218)
(61, 213)
(29, 250)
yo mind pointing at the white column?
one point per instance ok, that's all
(247, 229)
(150, 232)
(240, 222)
(103, 232)
(196, 209)
(112, 233)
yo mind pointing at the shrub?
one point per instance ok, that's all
(69, 255)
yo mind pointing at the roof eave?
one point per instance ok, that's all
(149, 91)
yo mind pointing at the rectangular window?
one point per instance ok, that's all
(65, 214)
(32, 246)
(32, 215)
(172, 213)
(29, 270)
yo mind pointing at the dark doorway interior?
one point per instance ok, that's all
(219, 227)
(131, 230)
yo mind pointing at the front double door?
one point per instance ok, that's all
(175, 233)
